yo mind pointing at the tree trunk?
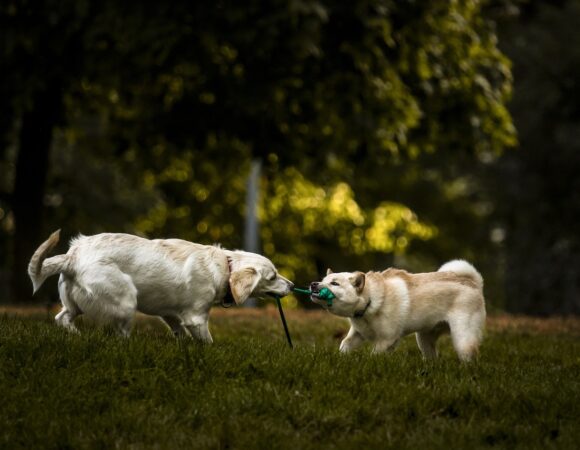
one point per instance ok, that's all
(29, 186)
(252, 226)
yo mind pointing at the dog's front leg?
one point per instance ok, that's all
(198, 327)
(385, 345)
(176, 327)
(352, 341)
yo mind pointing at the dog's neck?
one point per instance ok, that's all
(233, 258)
(366, 294)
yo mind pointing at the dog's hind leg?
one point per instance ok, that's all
(107, 295)
(427, 340)
(127, 301)
(65, 318)
(467, 347)
(124, 325)
(466, 335)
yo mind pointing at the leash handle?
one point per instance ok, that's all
(284, 321)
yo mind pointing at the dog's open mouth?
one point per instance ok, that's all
(315, 297)
(318, 301)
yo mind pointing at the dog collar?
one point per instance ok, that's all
(359, 314)
(228, 299)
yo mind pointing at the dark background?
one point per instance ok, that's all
(388, 132)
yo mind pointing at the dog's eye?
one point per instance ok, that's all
(334, 283)
(271, 277)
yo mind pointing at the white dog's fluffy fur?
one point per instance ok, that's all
(383, 307)
(111, 276)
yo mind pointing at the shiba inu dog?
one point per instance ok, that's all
(384, 306)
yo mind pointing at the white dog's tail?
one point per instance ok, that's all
(40, 268)
(462, 267)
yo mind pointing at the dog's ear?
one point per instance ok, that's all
(358, 281)
(329, 271)
(243, 282)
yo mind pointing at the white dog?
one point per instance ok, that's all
(111, 276)
(383, 307)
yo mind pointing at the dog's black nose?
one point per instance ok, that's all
(314, 286)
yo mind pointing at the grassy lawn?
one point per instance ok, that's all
(249, 390)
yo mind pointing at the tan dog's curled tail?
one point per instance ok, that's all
(462, 267)
(40, 268)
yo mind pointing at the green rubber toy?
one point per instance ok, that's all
(326, 294)
(323, 294)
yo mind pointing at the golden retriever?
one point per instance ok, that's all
(111, 276)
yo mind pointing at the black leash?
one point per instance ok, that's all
(229, 301)
(324, 294)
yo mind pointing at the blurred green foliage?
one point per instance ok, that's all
(371, 118)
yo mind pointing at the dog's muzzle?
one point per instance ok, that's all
(314, 288)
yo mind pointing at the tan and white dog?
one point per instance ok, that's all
(384, 306)
(110, 277)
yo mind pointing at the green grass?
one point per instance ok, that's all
(249, 390)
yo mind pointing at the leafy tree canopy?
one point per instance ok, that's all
(165, 105)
